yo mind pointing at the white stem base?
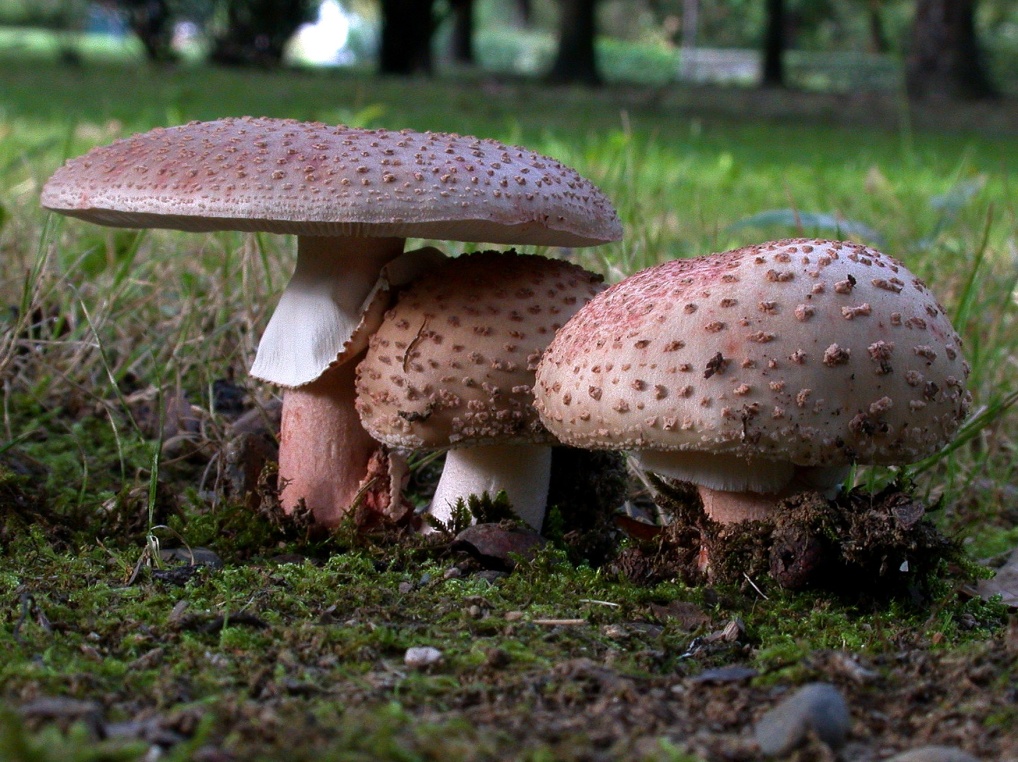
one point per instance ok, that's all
(523, 472)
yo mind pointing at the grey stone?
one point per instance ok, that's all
(933, 754)
(819, 707)
(191, 557)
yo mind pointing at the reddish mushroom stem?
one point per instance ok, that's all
(324, 450)
(731, 507)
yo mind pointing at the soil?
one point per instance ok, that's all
(573, 655)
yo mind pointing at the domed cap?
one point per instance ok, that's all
(808, 352)
(284, 176)
(453, 362)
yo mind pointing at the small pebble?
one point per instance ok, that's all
(419, 657)
(489, 575)
(615, 631)
(933, 754)
(735, 673)
(730, 634)
(191, 557)
(818, 707)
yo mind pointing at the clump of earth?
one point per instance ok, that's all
(859, 542)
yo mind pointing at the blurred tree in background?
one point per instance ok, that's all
(774, 43)
(255, 32)
(407, 29)
(576, 59)
(463, 27)
(945, 58)
(151, 22)
(955, 48)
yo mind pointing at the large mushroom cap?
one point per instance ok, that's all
(284, 176)
(453, 362)
(808, 352)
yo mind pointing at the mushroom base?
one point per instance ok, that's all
(521, 471)
(875, 545)
(733, 507)
(324, 450)
(726, 507)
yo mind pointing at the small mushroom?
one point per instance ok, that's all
(452, 366)
(352, 196)
(759, 372)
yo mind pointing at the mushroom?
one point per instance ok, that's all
(352, 196)
(759, 372)
(452, 366)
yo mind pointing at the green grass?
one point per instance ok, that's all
(102, 314)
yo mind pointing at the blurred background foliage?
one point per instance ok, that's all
(832, 45)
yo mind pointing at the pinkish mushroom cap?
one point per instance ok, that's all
(307, 178)
(330, 182)
(736, 370)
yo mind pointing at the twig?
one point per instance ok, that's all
(600, 603)
(751, 582)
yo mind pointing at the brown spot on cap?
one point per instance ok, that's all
(716, 365)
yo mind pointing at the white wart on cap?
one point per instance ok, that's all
(732, 370)
(452, 366)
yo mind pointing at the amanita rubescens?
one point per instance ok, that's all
(352, 196)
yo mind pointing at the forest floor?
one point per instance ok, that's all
(151, 609)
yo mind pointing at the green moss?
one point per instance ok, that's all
(78, 744)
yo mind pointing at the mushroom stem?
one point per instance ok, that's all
(322, 306)
(323, 450)
(308, 345)
(522, 471)
(734, 507)
(728, 507)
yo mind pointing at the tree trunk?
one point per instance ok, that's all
(945, 59)
(576, 60)
(878, 35)
(150, 22)
(690, 27)
(407, 27)
(773, 74)
(463, 32)
(257, 31)
(525, 10)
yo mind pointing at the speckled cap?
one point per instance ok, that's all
(812, 352)
(453, 362)
(284, 176)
